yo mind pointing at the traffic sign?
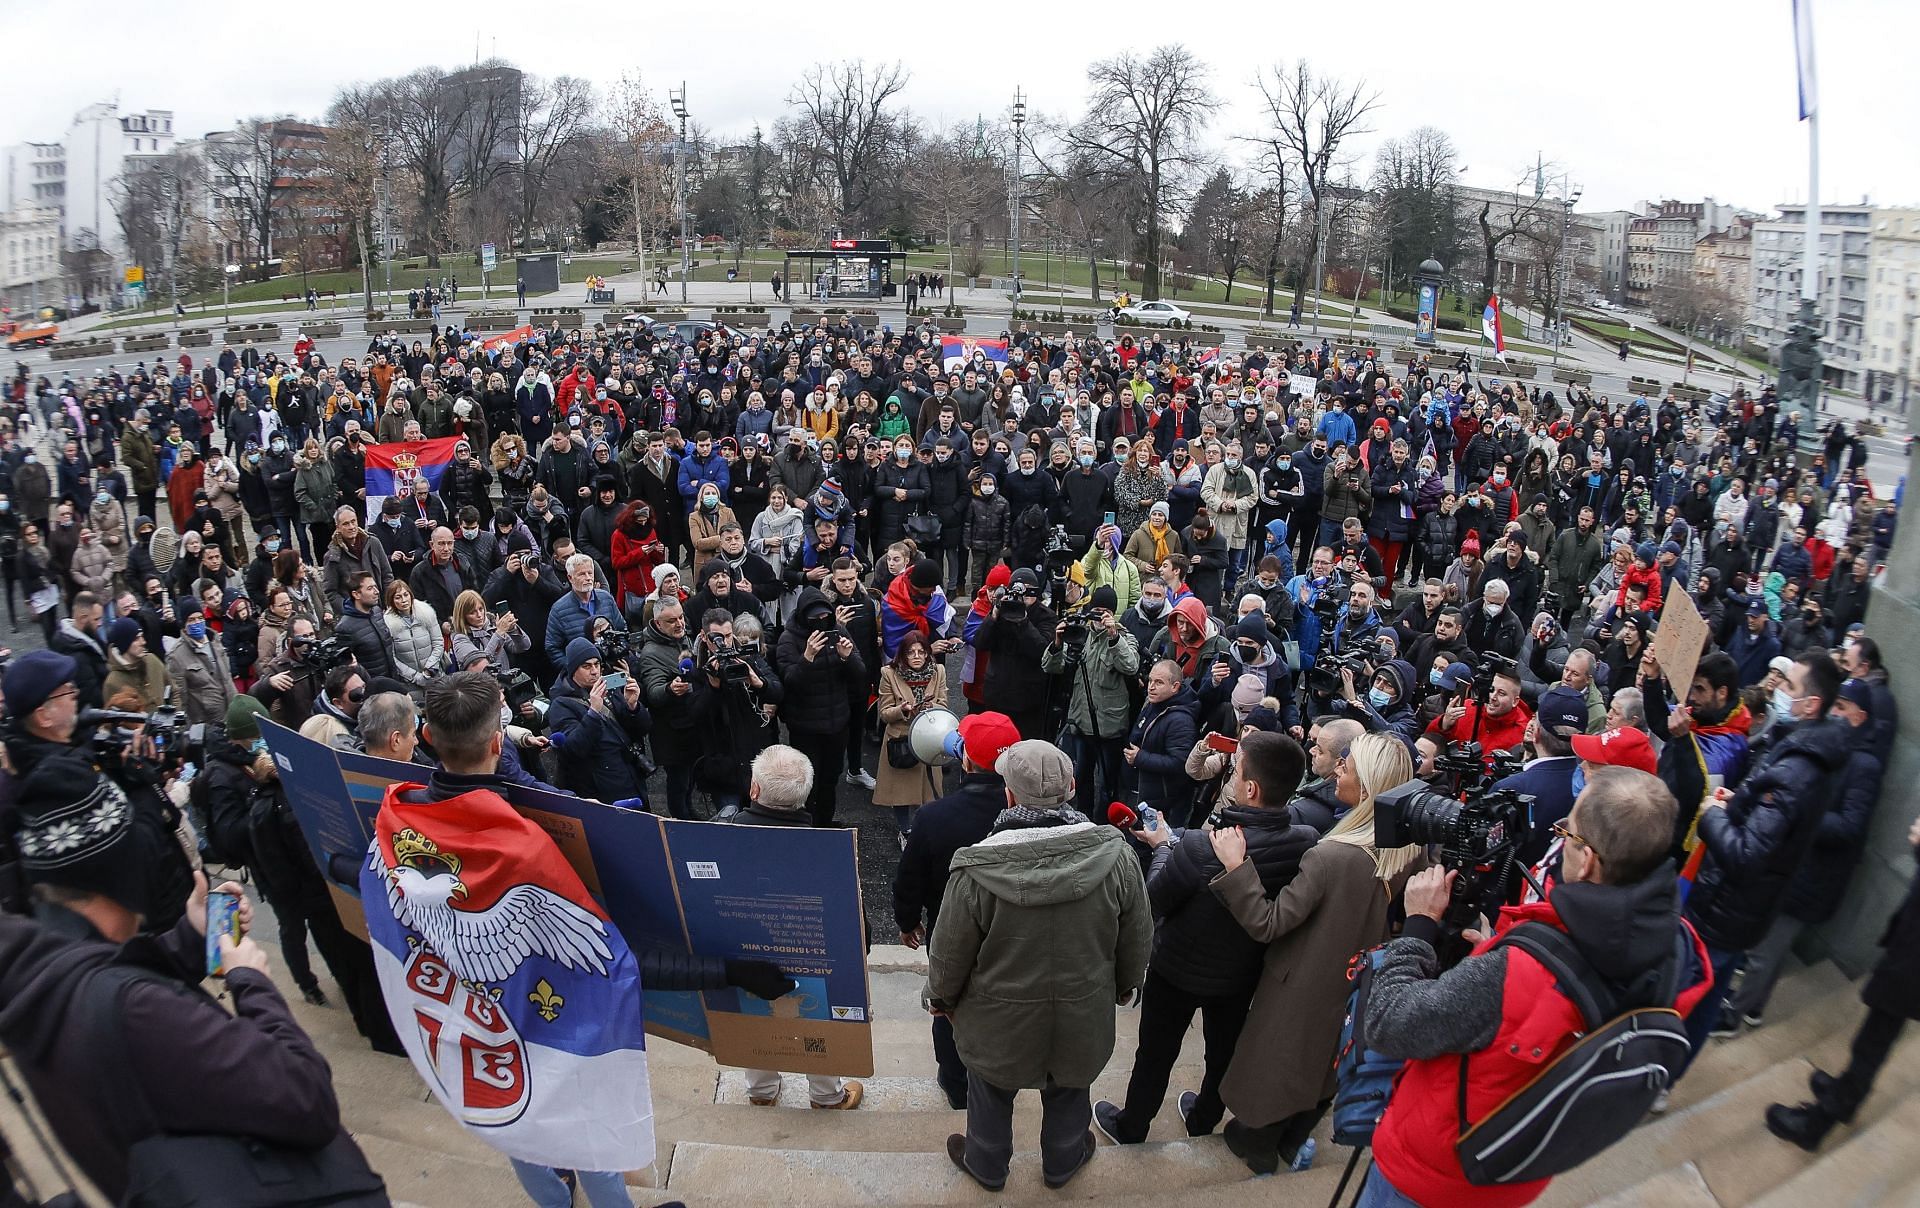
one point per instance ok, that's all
(487, 260)
(136, 275)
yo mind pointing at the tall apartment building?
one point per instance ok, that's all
(1723, 261)
(1643, 239)
(1609, 235)
(30, 275)
(1893, 308)
(100, 142)
(1846, 240)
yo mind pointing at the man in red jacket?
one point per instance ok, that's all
(1502, 728)
(1501, 1007)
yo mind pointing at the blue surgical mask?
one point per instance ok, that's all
(1579, 778)
(272, 545)
(1379, 698)
(197, 630)
(1781, 706)
(1433, 677)
(1086, 460)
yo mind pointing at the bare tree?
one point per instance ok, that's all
(844, 105)
(956, 179)
(1077, 190)
(637, 150)
(251, 174)
(350, 179)
(1144, 119)
(1309, 120)
(1224, 225)
(418, 112)
(1501, 219)
(155, 199)
(551, 127)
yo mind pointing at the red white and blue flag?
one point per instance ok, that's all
(516, 998)
(391, 468)
(1489, 331)
(956, 352)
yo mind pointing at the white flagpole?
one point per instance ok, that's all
(1810, 111)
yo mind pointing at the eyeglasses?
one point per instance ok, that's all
(1560, 829)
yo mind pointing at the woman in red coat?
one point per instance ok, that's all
(188, 476)
(636, 551)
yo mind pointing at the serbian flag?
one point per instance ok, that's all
(514, 994)
(508, 340)
(1206, 357)
(1489, 330)
(391, 468)
(957, 351)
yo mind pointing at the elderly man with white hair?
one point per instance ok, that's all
(777, 796)
(1491, 625)
(574, 613)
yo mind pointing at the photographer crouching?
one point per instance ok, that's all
(51, 757)
(1096, 657)
(1477, 1034)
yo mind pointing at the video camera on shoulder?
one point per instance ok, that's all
(321, 656)
(728, 663)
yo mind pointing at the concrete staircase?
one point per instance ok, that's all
(715, 1149)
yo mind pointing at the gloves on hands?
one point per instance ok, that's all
(762, 979)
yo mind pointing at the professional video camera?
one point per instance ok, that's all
(520, 689)
(1016, 601)
(323, 656)
(175, 741)
(616, 648)
(1466, 760)
(1059, 552)
(1361, 657)
(1478, 838)
(727, 662)
(1331, 599)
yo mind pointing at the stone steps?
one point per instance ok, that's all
(1875, 1165)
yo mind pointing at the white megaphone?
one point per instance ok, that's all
(935, 737)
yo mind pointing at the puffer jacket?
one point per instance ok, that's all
(1821, 882)
(92, 569)
(1197, 943)
(1165, 733)
(1756, 842)
(418, 655)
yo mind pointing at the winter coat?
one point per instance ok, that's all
(960, 819)
(1894, 985)
(147, 679)
(1817, 887)
(1097, 686)
(418, 655)
(1572, 561)
(1392, 515)
(904, 786)
(986, 521)
(1197, 944)
(368, 637)
(1042, 931)
(202, 682)
(90, 652)
(597, 749)
(1756, 841)
(1165, 733)
(675, 737)
(1230, 496)
(92, 569)
(314, 491)
(817, 692)
(1334, 907)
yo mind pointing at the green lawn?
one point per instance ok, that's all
(1633, 335)
(407, 274)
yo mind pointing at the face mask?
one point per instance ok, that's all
(506, 715)
(1433, 677)
(197, 630)
(1492, 610)
(393, 522)
(272, 545)
(709, 502)
(1579, 779)
(30, 459)
(1152, 608)
(902, 454)
(1286, 463)
(1379, 698)
(1781, 706)
(279, 446)
(1233, 463)
(1026, 471)
(103, 498)
(469, 533)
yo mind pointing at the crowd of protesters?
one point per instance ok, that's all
(1248, 607)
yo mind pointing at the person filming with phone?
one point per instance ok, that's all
(598, 722)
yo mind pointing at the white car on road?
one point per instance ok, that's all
(1155, 312)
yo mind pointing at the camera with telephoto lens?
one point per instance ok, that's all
(1016, 601)
(1478, 837)
(322, 656)
(175, 740)
(616, 648)
(1331, 599)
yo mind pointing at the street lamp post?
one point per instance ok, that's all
(226, 293)
(1319, 246)
(679, 102)
(1019, 122)
(1560, 292)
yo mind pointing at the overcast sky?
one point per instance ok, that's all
(1636, 99)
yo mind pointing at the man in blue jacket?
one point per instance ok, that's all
(574, 612)
(701, 466)
(1754, 644)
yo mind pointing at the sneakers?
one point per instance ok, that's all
(861, 777)
(1106, 1118)
(957, 1154)
(1086, 1155)
(767, 1101)
(1659, 1104)
(1187, 1100)
(850, 1096)
(1753, 1021)
(1805, 1125)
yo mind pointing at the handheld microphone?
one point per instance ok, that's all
(1121, 814)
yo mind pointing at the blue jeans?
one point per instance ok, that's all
(1706, 1014)
(1376, 1192)
(604, 1188)
(1329, 534)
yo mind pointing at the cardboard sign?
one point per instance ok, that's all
(1680, 642)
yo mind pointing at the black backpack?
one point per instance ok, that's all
(1632, 1046)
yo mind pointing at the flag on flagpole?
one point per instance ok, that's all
(514, 994)
(1803, 56)
(1490, 327)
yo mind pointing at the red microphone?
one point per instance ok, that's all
(1121, 815)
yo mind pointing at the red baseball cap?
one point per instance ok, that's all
(985, 736)
(1625, 748)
